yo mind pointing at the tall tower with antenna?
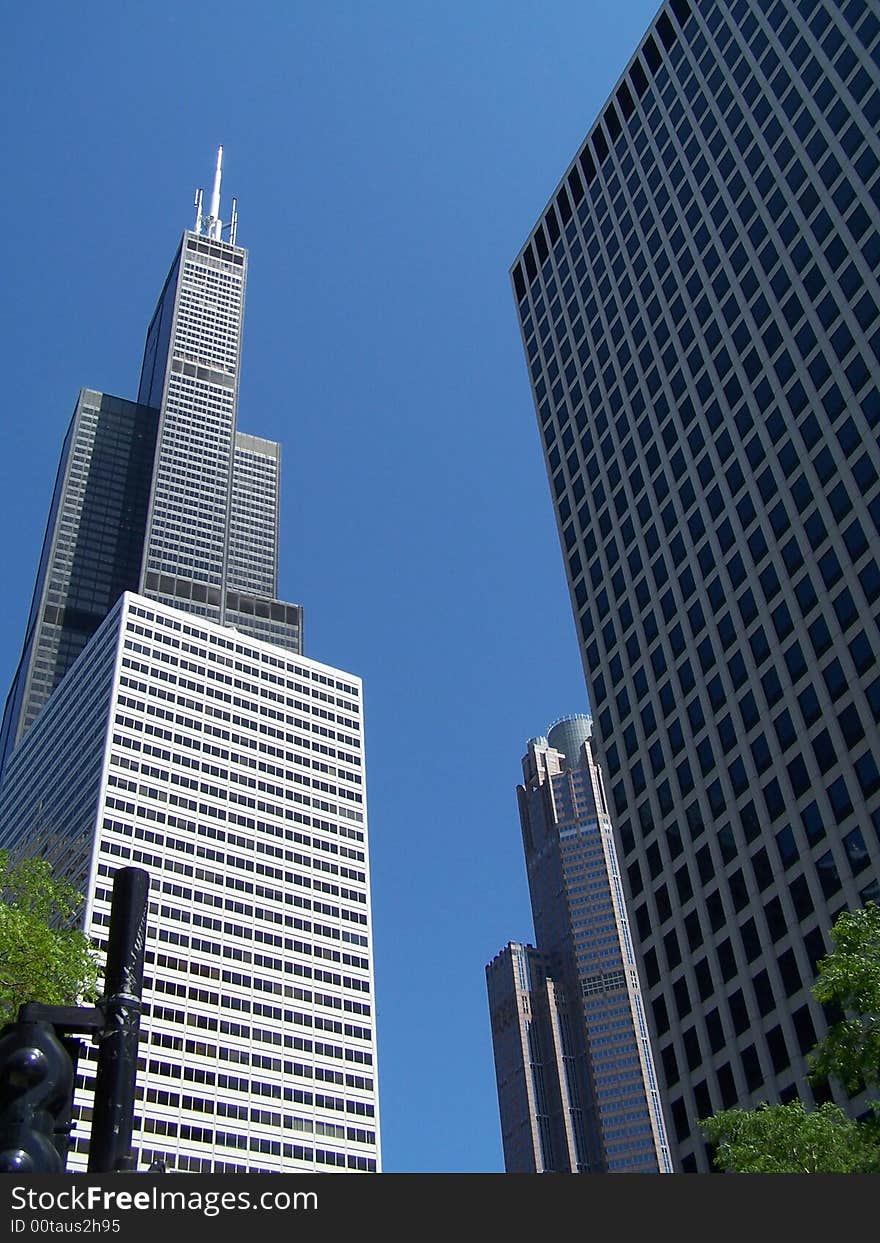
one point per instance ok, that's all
(163, 714)
(190, 374)
(163, 495)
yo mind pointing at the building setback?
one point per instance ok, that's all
(699, 310)
(163, 715)
(163, 496)
(577, 1089)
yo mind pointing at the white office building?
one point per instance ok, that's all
(182, 731)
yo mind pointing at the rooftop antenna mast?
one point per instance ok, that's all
(215, 225)
(211, 225)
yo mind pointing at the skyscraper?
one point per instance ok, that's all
(699, 310)
(163, 496)
(163, 715)
(577, 1089)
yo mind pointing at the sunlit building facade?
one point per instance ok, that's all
(163, 716)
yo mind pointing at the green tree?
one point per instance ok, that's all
(849, 979)
(787, 1139)
(780, 1139)
(43, 955)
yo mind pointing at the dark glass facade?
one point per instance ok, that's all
(699, 309)
(92, 548)
(155, 363)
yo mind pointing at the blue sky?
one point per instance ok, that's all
(389, 159)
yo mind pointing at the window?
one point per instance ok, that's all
(867, 774)
(692, 1048)
(661, 899)
(726, 960)
(715, 1030)
(751, 941)
(829, 877)
(752, 1068)
(764, 993)
(776, 921)
(762, 869)
(705, 866)
(791, 977)
(672, 949)
(835, 680)
(804, 1028)
(795, 662)
(800, 897)
(778, 1051)
(856, 851)
(703, 976)
(786, 846)
(823, 749)
(851, 725)
(839, 798)
(693, 931)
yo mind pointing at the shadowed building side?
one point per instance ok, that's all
(534, 1063)
(92, 548)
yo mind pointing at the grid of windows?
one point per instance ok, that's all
(233, 773)
(701, 315)
(253, 525)
(211, 545)
(187, 529)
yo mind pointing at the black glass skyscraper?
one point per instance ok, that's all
(699, 309)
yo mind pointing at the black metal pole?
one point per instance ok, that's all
(112, 1120)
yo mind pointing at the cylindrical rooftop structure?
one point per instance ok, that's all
(568, 735)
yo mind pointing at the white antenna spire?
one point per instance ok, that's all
(211, 225)
(214, 223)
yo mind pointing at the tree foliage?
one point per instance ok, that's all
(787, 1139)
(44, 956)
(849, 978)
(782, 1139)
